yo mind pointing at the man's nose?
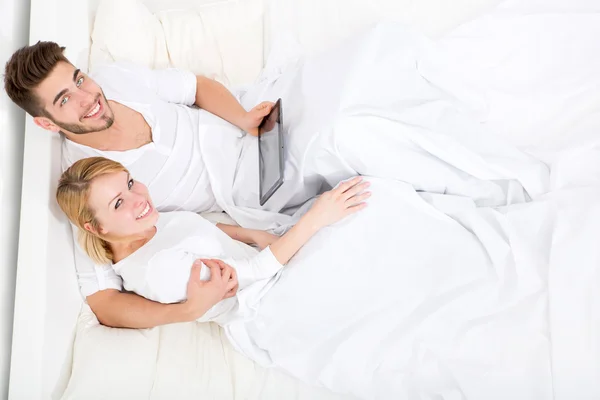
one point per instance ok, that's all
(86, 99)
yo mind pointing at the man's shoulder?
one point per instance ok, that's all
(122, 79)
(72, 152)
(117, 69)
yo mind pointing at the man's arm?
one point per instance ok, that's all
(127, 310)
(216, 99)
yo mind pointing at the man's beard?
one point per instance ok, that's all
(80, 129)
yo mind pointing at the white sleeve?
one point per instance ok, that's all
(169, 271)
(262, 266)
(171, 85)
(91, 277)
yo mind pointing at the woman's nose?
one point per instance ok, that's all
(140, 201)
(137, 199)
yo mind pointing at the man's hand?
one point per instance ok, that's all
(202, 295)
(254, 117)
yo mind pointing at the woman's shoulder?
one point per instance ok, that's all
(182, 223)
(177, 217)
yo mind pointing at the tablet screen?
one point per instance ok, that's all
(270, 149)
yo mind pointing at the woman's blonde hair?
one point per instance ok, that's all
(72, 196)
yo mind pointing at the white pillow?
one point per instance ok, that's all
(100, 369)
(178, 361)
(221, 40)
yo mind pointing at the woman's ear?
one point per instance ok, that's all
(88, 227)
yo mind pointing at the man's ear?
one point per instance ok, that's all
(46, 123)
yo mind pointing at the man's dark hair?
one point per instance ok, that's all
(26, 69)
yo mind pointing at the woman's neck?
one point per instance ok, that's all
(122, 249)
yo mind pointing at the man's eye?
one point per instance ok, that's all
(64, 101)
(130, 183)
(118, 203)
(79, 81)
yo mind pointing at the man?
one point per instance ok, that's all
(144, 120)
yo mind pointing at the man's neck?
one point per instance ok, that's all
(106, 140)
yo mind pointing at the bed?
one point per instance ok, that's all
(54, 336)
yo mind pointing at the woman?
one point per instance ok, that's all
(153, 252)
(415, 296)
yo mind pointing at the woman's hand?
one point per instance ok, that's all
(329, 208)
(254, 117)
(263, 239)
(202, 295)
(338, 203)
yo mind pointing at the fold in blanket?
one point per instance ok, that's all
(378, 105)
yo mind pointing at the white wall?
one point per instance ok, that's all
(14, 33)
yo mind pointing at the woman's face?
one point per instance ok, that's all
(122, 206)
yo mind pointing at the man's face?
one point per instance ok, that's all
(75, 104)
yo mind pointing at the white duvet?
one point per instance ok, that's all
(381, 105)
(411, 301)
(460, 292)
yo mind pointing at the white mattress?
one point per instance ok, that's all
(47, 298)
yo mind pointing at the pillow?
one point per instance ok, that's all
(100, 369)
(179, 361)
(222, 40)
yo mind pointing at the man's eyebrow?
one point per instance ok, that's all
(59, 95)
(62, 92)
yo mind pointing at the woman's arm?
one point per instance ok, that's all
(127, 310)
(216, 99)
(249, 236)
(329, 208)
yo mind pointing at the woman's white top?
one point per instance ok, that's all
(160, 269)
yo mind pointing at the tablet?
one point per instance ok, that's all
(270, 153)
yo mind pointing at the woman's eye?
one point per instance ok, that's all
(130, 183)
(118, 203)
(64, 101)
(79, 81)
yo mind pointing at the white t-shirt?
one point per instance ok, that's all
(170, 166)
(160, 269)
